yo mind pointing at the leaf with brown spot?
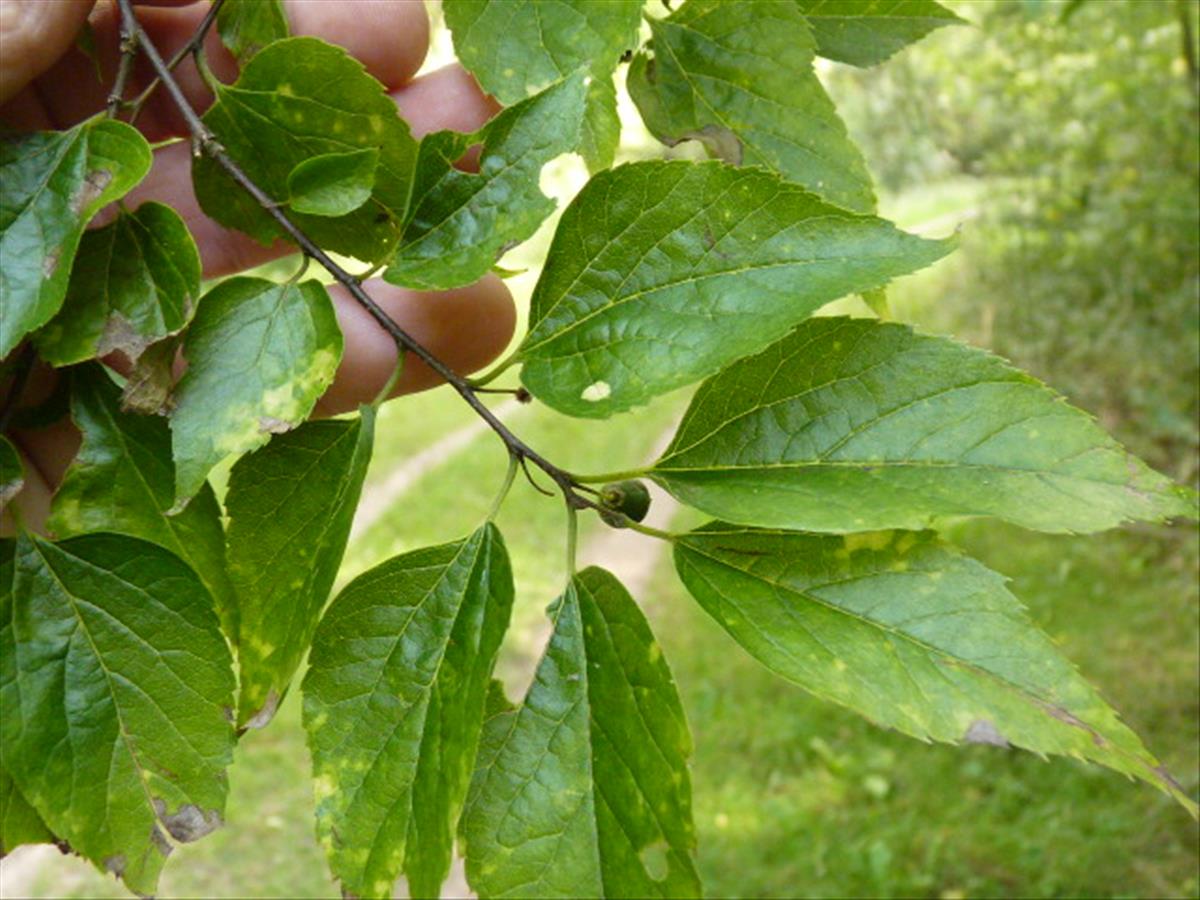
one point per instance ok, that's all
(51, 184)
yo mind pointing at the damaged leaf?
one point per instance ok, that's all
(460, 223)
(51, 184)
(393, 706)
(12, 473)
(903, 629)
(114, 678)
(135, 281)
(738, 77)
(662, 273)
(296, 100)
(290, 506)
(122, 481)
(259, 356)
(583, 790)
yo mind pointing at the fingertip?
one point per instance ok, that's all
(390, 39)
(467, 328)
(446, 99)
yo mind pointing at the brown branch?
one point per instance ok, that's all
(205, 143)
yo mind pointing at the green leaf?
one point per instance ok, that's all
(661, 273)
(247, 26)
(259, 356)
(290, 507)
(855, 425)
(135, 281)
(116, 686)
(19, 822)
(12, 473)
(148, 386)
(51, 184)
(298, 99)
(738, 77)
(866, 32)
(601, 131)
(583, 790)
(904, 630)
(334, 184)
(393, 705)
(460, 223)
(122, 481)
(514, 48)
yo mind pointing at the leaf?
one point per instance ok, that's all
(334, 184)
(19, 822)
(51, 184)
(148, 387)
(601, 131)
(259, 356)
(583, 790)
(903, 629)
(12, 473)
(854, 425)
(738, 77)
(515, 49)
(460, 223)
(122, 481)
(662, 273)
(135, 281)
(866, 32)
(393, 706)
(116, 684)
(298, 99)
(290, 507)
(247, 26)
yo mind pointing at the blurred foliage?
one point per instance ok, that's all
(1081, 119)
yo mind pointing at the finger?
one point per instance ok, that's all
(389, 38)
(447, 98)
(466, 328)
(34, 34)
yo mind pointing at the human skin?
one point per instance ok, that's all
(47, 83)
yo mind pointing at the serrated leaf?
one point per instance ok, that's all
(298, 99)
(661, 273)
(19, 822)
(51, 184)
(334, 184)
(583, 790)
(866, 32)
(135, 281)
(259, 356)
(393, 706)
(247, 26)
(738, 77)
(600, 134)
(855, 425)
(903, 629)
(460, 223)
(12, 473)
(116, 684)
(517, 48)
(290, 507)
(122, 481)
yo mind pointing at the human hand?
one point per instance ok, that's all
(47, 83)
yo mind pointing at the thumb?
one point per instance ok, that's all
(34, 34)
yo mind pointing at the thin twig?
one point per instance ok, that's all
(129, 46)
(191, 48)
(205, 143)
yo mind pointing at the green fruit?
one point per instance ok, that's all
(624, 500)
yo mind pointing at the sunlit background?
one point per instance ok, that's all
(1061, 138)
